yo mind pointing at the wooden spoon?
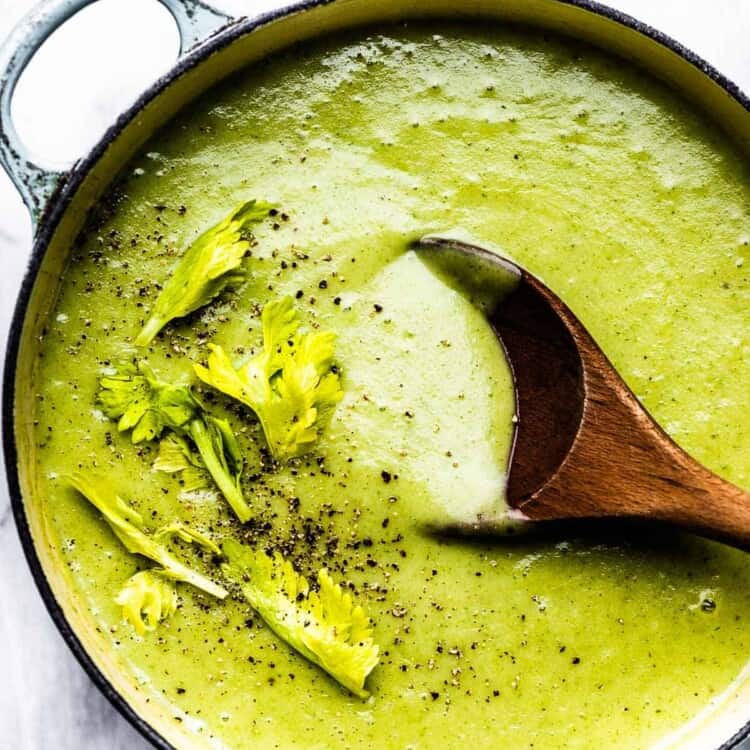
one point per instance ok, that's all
(584, 446)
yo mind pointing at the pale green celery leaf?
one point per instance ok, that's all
(251, 383)
(280, 325)
(126, 395)
(144, 404)
(206, 268)
(151, 406)
(127, 526)
(325, 626)
(177, 457)
(308, 392)
(146, 599)
(187, 534)
(221, 455)
(291, 385)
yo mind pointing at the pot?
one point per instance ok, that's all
(213, 46)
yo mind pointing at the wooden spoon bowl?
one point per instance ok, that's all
(584, 446)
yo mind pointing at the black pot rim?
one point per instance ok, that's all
(53, 213)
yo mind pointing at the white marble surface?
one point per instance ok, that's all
(84, 80)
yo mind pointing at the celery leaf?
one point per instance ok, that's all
(325, 626)
(207, 267)
(291, 385)
(177, 457)
(148, 406)
(127, 525)
(146, 599)
(143, 404)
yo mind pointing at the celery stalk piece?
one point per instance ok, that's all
(222, 458)
(189, 535)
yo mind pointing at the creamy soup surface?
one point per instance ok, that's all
(598, 179)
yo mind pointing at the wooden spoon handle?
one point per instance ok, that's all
(622, 464)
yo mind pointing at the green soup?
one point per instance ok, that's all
(596, 178)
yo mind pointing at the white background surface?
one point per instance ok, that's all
(83, 78)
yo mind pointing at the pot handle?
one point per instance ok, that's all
(195, 22)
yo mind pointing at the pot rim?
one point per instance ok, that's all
(57, 206)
